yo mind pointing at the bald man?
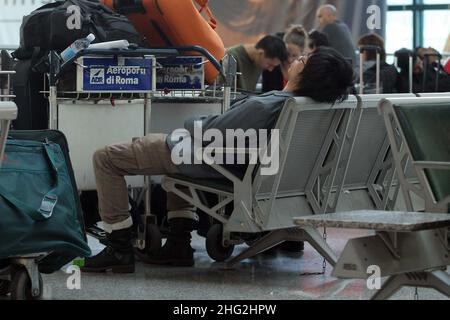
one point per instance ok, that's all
(339, 35)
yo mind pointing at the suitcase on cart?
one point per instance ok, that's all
(59, 138)
(42, 227)
(165, 24)
(27, 86)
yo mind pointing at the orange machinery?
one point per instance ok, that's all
(169, 23)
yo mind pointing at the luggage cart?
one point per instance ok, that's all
(18, 275)
(126, 115)
(411, 57)
(438, 67)
(363, 49)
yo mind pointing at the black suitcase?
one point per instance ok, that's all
(32, 105)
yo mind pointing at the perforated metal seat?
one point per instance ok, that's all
(410, 248)
(426, 131)
(315, 142)
(218, 184)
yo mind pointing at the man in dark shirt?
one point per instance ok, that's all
(252, 59)
(317, 39)
(339, 35)
(324, 76)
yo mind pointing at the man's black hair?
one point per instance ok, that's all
(318, 39)
(326, 77)
(273, 47)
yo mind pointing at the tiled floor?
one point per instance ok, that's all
(264, 277)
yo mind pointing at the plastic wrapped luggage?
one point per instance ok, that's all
(167, 25)
(40, 207)
(32, 104)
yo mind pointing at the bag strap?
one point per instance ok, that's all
(49, 200)
(204, 6)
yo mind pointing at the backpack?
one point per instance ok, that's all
(47, 27)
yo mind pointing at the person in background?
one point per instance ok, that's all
(389, 77)
(316, 39)
(420, 84)
(252, 59)
(435, 79)
(339, 35)
(428, 54)
(296, 40)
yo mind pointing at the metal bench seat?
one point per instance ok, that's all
(315, 141)
(411, 248)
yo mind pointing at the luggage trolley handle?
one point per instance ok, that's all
(426, 62)
(204, 53)
(57, 68)
(411, 57)
(378, 51)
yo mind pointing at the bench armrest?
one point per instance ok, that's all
(437, 165)
(200, 154)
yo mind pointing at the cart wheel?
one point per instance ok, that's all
(214, 245)
(153, 240)
(5, 287)
(21, 286)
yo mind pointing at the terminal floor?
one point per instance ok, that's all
(265, 277)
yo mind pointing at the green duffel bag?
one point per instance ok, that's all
(38, 211)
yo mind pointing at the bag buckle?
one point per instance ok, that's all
(48, 204)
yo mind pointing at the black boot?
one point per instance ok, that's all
(177, 250)
(118, 256)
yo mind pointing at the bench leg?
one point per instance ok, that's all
(438, 280)
(278, 236)
(316, 240)
(390, 287)
(265, 243)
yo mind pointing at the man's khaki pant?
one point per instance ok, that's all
(145, 156)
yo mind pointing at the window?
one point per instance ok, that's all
(413, 23)
(11, 14)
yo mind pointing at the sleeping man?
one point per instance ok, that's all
(324, 75)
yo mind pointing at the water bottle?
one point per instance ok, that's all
(77, 46)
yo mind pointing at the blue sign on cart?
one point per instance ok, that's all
(116, 74)
(180, 73)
